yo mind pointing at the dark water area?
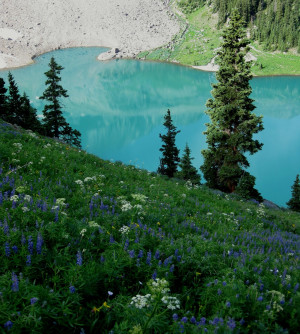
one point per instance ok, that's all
(119, 105)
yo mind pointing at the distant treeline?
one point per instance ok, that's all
(275, 23)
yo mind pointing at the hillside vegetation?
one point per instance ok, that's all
(273, 26)
(92, 246)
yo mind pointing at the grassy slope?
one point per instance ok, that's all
(198, 44)
(203, 239)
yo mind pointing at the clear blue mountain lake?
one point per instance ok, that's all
(119, 106)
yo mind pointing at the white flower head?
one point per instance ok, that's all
(141, 301)
(124, 230)
(14, 198)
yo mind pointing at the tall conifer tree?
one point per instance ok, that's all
(14, 101)
(188, 171)
(294, 202)
(3, 98)
(170, 159)
(230, 134)
(54, 120)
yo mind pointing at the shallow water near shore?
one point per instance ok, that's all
(119, 105)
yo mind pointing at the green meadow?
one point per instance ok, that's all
(91, 246)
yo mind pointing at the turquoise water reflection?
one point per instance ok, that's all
(118, 106)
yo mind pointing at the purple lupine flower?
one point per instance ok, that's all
(260, 298)
(110, 293)
(8, 325)
(39, 244)
(148, 260)
(261, 287)
(141, 253)
(72, 289)
(281, 302)
(242, 321)
(131, 253)
(231, 323)
(28, 260)
(157, 254)
(33, 300)
(30, 245)
(7, 249)
(228, 304)
(102, 259)
(172, 268)
(219, 291)
(224, 283)
(111, 239)
(202, 321)
(15, 282)
(193, 320)
(5, 227)
(15, 249)
(175, 316)
(126, 245)
(79, 258)
(296, 287)
(184, 319)
(23, 239)
(154, 275)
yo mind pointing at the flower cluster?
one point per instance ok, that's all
(141, 301)
(124, 230)
(172, 302)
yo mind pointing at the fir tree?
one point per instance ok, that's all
(3, 98)
(170, 159)
(29, 118)
(54, 122)
(230, 134)
(14, 102)
(188, 171)
(294, 202)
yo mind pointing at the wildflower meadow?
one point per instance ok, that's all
(91, 246)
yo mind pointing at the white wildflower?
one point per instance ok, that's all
(141, 301)
(158, 286)
(14, 198)
(27, 198)
(15, 160)
(183, 195)
(126, 206)
(79, 182)
(140, 197)
(172, 302)
(55, 207)
(189, 185)
(88, 179)
(25, 209)
(61, 201)
(124, 230)
(93, 224)
(82, 232)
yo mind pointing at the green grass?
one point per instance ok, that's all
(81, 238)
(198, 44)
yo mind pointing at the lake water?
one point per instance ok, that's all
(119, 105)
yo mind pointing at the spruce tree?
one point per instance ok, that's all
(14, 102)
(294, 202)
(3, 98)
(54, 121)
(170, 159)
(29, 118)
(188, 171)
(230, 134)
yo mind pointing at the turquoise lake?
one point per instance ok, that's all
(119, 105)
